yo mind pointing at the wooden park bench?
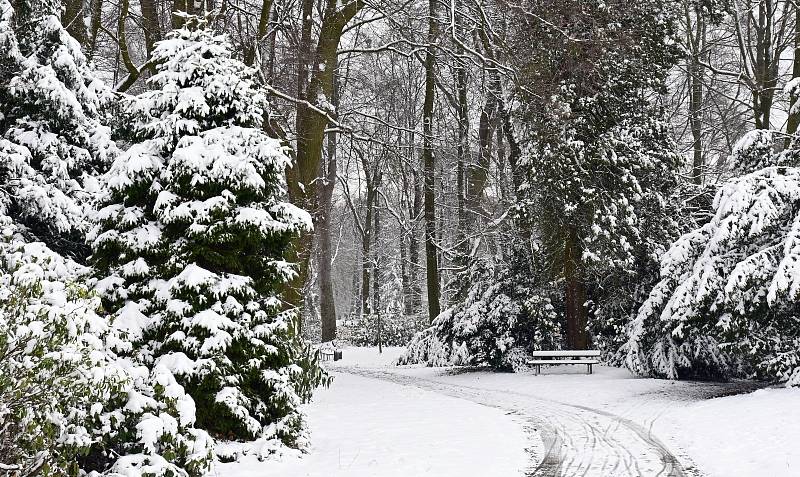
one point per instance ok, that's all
(555, 358)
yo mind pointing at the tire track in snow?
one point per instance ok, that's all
(577, 440)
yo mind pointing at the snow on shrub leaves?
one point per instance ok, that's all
(505, 313)
(67, 401)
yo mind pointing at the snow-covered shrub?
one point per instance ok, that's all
(395, 329)
(67, 403)
(504, 311)
(190, 244)
(726, 302)
(52, 136)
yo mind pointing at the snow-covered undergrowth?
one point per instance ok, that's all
(502, 316)
(727, 301)
(66, 399)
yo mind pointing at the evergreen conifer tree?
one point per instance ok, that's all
(52, 137)
(191, 241)
(598, 154)
(726, 301)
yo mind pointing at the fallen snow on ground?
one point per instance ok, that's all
(384, 421)
(756, 433)
(364, 427)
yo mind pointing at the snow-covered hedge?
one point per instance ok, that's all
(727, 300)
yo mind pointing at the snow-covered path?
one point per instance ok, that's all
(578, 440)
(379, 420)
(366, 427)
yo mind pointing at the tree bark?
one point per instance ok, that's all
(575, 294)
(72, 19)
(429, 165)
(152, 27)
(177, 7)
(94, 27)
(695, 76)
(413, 247)
(794, 115)
(301, 176)
(327, 302)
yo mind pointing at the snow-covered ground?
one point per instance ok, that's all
(381, 420)
(363, 427)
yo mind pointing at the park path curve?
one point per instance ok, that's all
(577, 441)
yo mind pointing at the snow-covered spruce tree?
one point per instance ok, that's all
(51, 110)
(191, 239)
(67, 402)
(727, 300)
(598, 154)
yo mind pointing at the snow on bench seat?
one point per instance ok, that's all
(564, 357)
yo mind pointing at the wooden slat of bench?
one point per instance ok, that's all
(562, 361)
(566, 353)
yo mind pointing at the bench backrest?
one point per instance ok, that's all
(566, 353)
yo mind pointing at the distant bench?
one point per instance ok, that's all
(555, 358)
(328, 354)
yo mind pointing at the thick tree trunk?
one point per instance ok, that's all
(261, 32)
(302, 176)
(152, 27)
(94, 27)
(575, 294)
(72, 19)
(367, 266)
(431, 259)
(766, 67)
(179, 6)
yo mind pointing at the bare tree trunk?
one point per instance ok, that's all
(367, 268)
(413, 247)
(72, 19)
(302, 176)
(462, 150)
(575, 294)
(431, 259)
(794, 114)
(405, 276)
(766, 67)
(376, 264)
(695, 76)
(94, 26)
(152, 27)
(327, 303)
(179, 6)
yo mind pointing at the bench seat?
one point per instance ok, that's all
(563, 361)
(557, 357)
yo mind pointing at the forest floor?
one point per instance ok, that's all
(384, 421)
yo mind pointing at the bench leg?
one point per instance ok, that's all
(590, 368)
